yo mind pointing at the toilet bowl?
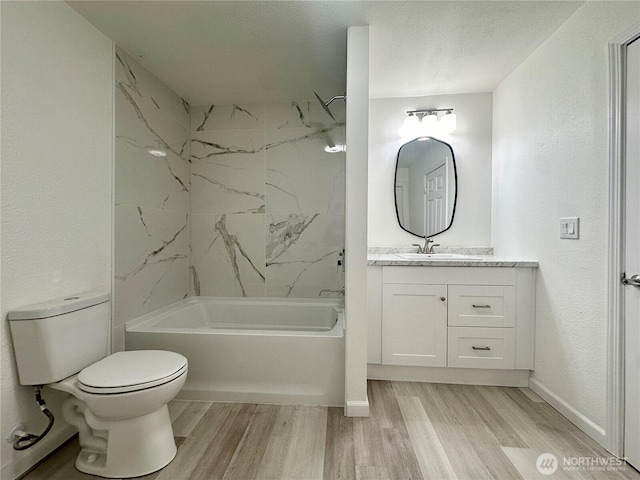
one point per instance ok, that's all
(117, 402)
(128, 384)
(119, 406)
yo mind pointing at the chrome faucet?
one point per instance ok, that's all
(330, 290)
(428, 246)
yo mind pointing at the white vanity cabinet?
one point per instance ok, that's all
(455, 317)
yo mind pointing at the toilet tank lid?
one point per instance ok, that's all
(60, 306)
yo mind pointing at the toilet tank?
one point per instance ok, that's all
(55, 339)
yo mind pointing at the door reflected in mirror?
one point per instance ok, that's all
(425, 186)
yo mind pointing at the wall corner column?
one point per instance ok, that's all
(357, 157)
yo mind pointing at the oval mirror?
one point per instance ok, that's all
(425, 186)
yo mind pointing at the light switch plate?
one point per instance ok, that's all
(570, 227)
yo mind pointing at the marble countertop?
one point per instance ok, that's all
(395, 259)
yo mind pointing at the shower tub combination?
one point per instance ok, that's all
(252, 350)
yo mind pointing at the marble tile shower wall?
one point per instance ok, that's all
(152, 195)
(267, 202)
(246, 203)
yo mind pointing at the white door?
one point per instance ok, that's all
(435, 201)
(632, 260)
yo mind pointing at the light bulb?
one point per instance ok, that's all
(411, 120)
(448, 122)
(428, 124)
(410, 126)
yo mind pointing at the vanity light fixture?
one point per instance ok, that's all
(427, 122)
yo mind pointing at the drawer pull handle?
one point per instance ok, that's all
(481, 306)
(480, 348)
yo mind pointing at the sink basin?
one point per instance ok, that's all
(436, 256)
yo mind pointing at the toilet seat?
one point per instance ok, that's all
(131, 371)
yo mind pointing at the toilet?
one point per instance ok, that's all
(117, 402)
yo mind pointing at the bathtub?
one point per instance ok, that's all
(251, 350)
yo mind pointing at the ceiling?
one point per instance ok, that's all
(252, 51)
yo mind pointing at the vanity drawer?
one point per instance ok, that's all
(474, 347)
(481, 306)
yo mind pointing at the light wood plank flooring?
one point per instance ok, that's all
(415, 431)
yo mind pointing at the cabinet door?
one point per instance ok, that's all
(414, 325)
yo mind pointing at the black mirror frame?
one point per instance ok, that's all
(455, 176)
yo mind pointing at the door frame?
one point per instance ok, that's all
(614, 432)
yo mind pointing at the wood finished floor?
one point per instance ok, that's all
(415, 431)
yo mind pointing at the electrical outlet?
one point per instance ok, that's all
(11, 437)
(570, 228)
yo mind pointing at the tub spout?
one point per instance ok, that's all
(330, 290)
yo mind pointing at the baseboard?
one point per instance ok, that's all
(460, 376)
(357, 408)
(27, 459)
(329, 399)
(589, 427)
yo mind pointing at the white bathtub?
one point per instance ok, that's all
(253, 350)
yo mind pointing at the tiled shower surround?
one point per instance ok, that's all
(152, 194)
(267, 201)
(246, 203)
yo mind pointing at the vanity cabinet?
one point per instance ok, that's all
(455, 317)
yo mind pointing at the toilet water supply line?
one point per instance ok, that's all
(27, 440)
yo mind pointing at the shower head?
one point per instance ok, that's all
(325, 105)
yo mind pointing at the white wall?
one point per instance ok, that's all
(57, 103)
(357, 403)
(550, 160)
(471, 144)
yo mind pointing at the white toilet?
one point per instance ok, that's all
(118, 402)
